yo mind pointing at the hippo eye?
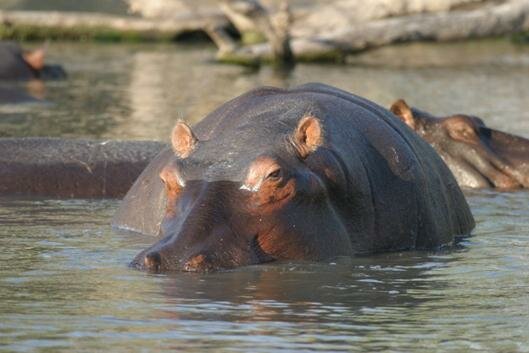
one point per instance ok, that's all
(466, 131)
(172, 179)
(462, 129)
(274, 175)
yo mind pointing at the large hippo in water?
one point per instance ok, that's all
(17, 64)
(477, 155)
(309, 173)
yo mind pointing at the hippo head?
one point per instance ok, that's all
(478, 156)
(36, 61)
(244, 197)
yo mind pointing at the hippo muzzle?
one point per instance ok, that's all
(206, 235)
(514, 151)
(484, 157)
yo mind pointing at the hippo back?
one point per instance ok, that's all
(407, 188)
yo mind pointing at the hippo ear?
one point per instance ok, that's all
(401, 109)
(183, 139)
(308, 135)
(35, 58)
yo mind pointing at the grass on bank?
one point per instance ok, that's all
(98, 34)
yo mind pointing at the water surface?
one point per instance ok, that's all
(139, 91)
(65, 286)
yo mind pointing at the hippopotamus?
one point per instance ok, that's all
(478, 156)
(305, 174)
(65, 168)
(17, 64)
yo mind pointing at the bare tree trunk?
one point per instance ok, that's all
(221, 38)
(252, 16)
(279, 36)
(487, 21)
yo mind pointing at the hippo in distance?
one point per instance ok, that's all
(478, 156)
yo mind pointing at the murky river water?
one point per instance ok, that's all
(64, 280)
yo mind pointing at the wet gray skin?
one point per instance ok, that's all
(67, 168)
(310, 173)
(478, 156)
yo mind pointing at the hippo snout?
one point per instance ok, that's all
(149, 261)
(152, 261)
(199, 263)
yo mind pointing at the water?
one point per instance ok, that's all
(64, 281)
(139, 91)
(65, 286)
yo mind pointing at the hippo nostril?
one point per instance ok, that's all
(152, 261)
(196, 263)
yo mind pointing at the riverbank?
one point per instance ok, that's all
(75, 26)
(508, 20)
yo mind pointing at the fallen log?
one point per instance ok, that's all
(41, 25)
(491, 20)
(61, 168)
(345, 12)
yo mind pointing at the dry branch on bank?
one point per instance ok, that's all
(252, 17)
(488, 20)
(73, 25)
(286, 33)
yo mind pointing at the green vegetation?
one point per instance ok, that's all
(521, 37)
(100, 34)
(251, 37)
(238, 59)
(244, 59)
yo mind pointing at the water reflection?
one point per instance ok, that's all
(310, 292)
(15, 95)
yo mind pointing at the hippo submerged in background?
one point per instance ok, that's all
(63, 168)
(477, 155)
(17, 64)
(310, 173)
